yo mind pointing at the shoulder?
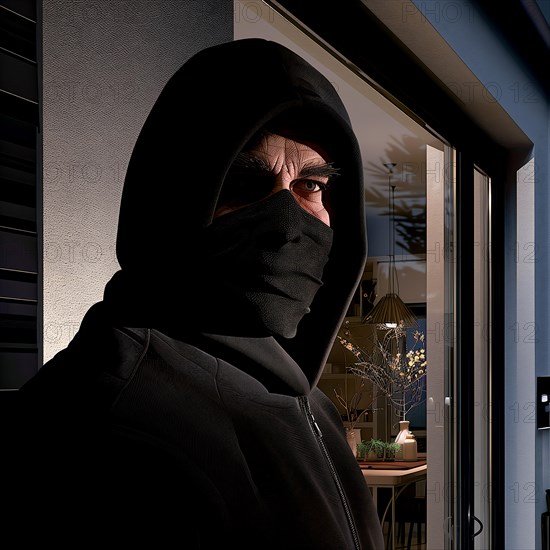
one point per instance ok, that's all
(106, 353)
(98, 348)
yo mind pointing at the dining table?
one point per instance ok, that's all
(396, 476)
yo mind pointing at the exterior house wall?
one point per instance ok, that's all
(104, 63)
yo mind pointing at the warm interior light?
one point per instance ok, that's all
(391, 311)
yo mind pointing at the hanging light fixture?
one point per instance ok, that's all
(391, 311)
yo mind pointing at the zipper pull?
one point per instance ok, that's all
(315, 425)
(307, 408)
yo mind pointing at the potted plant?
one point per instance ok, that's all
(362, 449)
(374, 449)
(392, 448)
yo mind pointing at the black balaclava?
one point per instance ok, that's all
(177, 274)
(271, 255)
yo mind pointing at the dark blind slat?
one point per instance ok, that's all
(18, 251)
(18, 131)
(16, 193)
(18, 217)
(17, 35)
(18, 107)
(19, 289)
(18, 77)
(17, 156)
(24, 8)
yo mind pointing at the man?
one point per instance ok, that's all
(185, 410)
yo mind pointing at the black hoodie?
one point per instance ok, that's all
(168, 417)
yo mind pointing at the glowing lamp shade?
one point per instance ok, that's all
(390, 311)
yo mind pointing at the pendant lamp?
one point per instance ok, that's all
(391, 311)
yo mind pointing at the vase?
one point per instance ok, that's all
(406, 439)
(353, 437)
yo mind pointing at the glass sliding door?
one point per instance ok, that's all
(440, 334)
(459, 316)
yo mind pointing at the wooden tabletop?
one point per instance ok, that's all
(391, 465)
(394, 477)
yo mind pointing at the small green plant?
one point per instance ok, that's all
(362, 449)
(372, 446)
(392, 448)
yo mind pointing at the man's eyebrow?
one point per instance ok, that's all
(320, 170)
(247, 159)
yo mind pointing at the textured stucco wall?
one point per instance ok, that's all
(105, 62)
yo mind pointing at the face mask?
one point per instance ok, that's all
(263, 265)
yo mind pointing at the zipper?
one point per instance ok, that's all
(306, 409)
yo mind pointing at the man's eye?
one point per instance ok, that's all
(309, 186)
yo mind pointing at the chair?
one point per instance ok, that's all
(411, 510)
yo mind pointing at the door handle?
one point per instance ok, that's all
(480, 528)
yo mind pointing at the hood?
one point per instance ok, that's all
(205, 114)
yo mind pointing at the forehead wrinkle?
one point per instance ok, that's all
(271, 153)
(302, 158)
(289, 156)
